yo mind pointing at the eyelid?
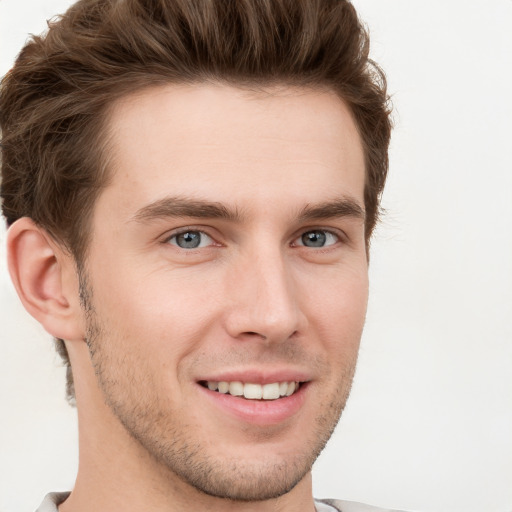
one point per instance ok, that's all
(338, 233)
(186, 229)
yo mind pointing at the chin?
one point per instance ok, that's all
(244, 481)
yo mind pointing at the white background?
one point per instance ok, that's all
(429, 423)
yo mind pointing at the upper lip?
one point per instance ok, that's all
(258, 376)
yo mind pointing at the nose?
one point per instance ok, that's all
(265, 303)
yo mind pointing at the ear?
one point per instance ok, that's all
(45, 278)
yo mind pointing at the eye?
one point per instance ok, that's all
(190, 240)
(317, 238)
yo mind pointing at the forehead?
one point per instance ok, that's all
(222, 143)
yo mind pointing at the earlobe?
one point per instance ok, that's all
(40, 272)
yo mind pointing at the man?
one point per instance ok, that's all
(190, 189)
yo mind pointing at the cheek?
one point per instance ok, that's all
(160, 314)
(337, 310)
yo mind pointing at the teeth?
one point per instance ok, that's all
(291, 389)
(252, 391)
(271, 391)
(236, 388)
(223, 387)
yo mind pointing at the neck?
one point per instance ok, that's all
(117, 473)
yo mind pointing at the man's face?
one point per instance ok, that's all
(228, 257)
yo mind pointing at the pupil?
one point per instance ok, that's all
(314, 239)
(189, 240)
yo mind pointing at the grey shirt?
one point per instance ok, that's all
(52, 500)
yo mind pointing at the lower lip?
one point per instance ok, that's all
(258, 412)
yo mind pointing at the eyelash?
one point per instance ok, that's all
(184, 231)
(329, 233)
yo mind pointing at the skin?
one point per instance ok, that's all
(253, 299)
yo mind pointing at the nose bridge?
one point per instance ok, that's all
(265, 297)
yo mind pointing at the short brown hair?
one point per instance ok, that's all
(54, 102)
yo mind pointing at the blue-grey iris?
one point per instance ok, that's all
(314, 238)
(188, 240)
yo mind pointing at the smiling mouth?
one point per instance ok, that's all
(250, 391)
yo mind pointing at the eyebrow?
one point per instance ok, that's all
(183, 207)
(169, 207)
(343, 207)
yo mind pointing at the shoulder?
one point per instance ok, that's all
(352, 506)
(52, 501)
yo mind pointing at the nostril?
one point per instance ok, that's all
(253, 333)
